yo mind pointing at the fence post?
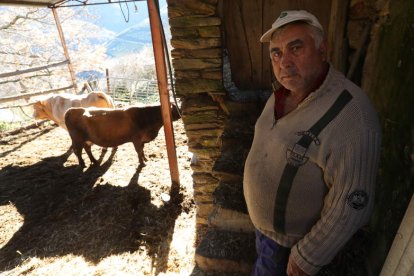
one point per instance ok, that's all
(65, 49)
(108, 86)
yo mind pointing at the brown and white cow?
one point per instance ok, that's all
(55, 106)
(113, 127)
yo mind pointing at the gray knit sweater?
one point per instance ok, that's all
(315, 204)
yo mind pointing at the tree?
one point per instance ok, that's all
(29, 38)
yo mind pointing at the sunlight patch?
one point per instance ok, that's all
(10, 222)
(182, 250)
(126, 264)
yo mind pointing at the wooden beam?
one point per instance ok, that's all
(28, 95)
(336, 36)
(34, 69)
(24, 3)
(65, 49)
(400, 257)
(160, 66)
(360, 49)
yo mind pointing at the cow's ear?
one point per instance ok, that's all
(46, 105)
(38, 105)
(42, 104)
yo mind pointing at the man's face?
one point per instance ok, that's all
(296, 61)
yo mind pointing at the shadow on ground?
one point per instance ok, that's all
(67, 211)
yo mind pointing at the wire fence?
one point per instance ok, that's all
(126, 91)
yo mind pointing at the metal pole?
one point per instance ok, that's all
(108, 86)
(157, 44)
(65, 49)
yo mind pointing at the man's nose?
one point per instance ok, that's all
(286, 60)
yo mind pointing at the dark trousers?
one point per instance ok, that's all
(272, 258)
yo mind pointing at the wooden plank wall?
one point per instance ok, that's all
(243, 24)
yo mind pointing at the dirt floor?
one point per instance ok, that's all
(111, 219)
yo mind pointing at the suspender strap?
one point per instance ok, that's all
(296, 158)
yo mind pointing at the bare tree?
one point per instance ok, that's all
(29, 39)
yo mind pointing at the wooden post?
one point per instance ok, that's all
(157, 44)
(336, 36)
(65, 49)
(360, 49)
(400, 257)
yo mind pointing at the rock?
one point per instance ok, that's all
(226, 251)
(230, 220)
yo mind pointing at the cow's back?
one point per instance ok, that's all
(97, 99)
(102, 126)
(112, 127)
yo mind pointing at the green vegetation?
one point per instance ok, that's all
(6, 126)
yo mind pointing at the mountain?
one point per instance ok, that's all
(90, 74)
(131, 40)
(132, 28)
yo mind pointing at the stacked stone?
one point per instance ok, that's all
(197, 62)
(229, 243)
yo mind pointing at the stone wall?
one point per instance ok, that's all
(219, 135)
(197, 62)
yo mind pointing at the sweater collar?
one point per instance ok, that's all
(329, 82)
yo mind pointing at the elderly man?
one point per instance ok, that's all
(310, 174)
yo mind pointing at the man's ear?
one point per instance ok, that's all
(323, 49)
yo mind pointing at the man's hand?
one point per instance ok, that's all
(293, 269)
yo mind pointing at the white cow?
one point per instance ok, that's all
(55, 106)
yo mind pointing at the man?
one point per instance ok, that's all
(310, 174)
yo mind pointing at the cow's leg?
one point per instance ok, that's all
(70, 149)
(89, 153)
(139, 148)
(77, 149)
(105, 150)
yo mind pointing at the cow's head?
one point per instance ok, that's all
(175, 112)
(39, 110)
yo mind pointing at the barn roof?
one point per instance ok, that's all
(60, 3)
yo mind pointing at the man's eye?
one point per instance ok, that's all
(295, 49)
(276, 54)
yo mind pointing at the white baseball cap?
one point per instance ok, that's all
(286, 17)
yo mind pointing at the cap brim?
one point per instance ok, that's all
(267, 35)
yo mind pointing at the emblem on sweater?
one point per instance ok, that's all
(297, 155)
(358, 200)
